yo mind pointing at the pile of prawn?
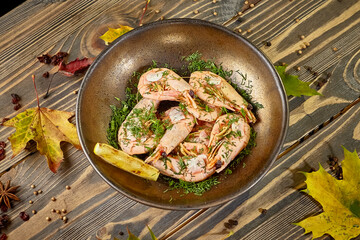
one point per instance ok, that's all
(198, 140)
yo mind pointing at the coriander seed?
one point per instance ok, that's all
(40, 191)
(302, 37)
(157, 11)
(32, 186)
(239, 13)
(246, 2)
(307, 44)
(334, 49)
(58, 211)
(53, 199)
(252, 5)
(196, 11)
(31, 202)
(35, 193)
(48, 219)
(215, 13)
(63, 210)
(53, 210)
(299, 52)
(34, 211)
(67, 187)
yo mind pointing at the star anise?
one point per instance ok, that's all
(7, 193)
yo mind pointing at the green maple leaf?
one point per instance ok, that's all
(48, 128)
(294, 86)
(340, 200)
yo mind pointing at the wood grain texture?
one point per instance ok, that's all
(96, 211)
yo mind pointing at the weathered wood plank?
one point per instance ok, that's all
(75, 26)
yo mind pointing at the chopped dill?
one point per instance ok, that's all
(119, 115)
(197, 188)
(195, 63)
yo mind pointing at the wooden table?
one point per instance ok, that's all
(318, 126)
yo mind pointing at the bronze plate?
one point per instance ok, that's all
(166, 42)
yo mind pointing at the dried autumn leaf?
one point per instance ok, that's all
(114, 33)
(340, 200)
(76, 66)
(293, 85)
(48, 128)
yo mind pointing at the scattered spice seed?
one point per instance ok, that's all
(239, 13)
(214, 1)
(4, 220)
(58, 211)
(252, 5)
(268, 43)
(53, 210)
(299, 52)
(297, 20)
(157, 11)
(334, 49)
(162, 18)
(246, 2)
(307, 44)
(46, 74)
(63, 210)
(68, 187)
(4, 120)
(233, 222)
(24, 216)
(64, 218)
(35, 193)
(31, 202)
(32, 186)
(262, 211)
(283, 64)
(239, 30)
(48, 219)
(76, 92)
(17, 107)
(39, 191)
(196, 11)
(302, 37)
(15, 98)
(34, 211)
(297, 68)
(302, 46)
(215, 13)
(53, 199)
(3, 207)
(249, 31)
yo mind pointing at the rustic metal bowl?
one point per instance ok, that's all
(166, 42)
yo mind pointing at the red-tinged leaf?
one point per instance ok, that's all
(76, 66)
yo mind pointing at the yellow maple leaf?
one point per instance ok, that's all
(114, 33)
(340, 200)
(48, 128)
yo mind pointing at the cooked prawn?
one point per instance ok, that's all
(164, 84)
(203, 111)
(216, 91)
(188, 167)
(229, 136)
(181, 125)
(134, 135)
